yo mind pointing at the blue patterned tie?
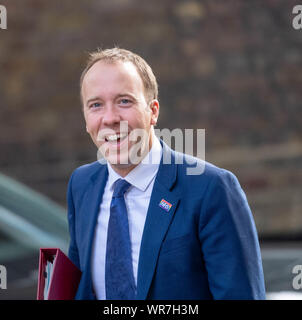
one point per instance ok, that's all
(119, 278)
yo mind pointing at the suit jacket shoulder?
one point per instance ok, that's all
(82, 175)
(197, 176)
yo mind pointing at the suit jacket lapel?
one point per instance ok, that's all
(157, 222)
(93, 200)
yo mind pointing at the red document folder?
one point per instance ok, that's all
(64, 278)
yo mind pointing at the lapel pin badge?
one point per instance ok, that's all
(165, 205)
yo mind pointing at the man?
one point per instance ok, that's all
(167, 234)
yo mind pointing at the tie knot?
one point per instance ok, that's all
(120, 187)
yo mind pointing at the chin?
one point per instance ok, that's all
(119, 160)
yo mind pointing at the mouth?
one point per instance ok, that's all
(116, 138)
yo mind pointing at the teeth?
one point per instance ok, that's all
(114, 137)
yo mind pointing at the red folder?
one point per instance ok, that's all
(64, 278)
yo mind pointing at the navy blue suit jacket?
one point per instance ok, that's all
(204, 247)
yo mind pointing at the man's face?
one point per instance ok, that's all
(113, 94)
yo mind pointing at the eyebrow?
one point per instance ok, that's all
(92, 99)
(117, 96)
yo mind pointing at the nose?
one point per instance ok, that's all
(111, 116)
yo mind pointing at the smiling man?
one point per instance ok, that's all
(141, 228)
(113, 94)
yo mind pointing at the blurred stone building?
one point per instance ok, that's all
(230, 67)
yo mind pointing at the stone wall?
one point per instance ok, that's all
(231, 67)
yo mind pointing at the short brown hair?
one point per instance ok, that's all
(117, 54)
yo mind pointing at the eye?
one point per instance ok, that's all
(95, 105)
(125, 102)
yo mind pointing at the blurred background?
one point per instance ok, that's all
(232, 68)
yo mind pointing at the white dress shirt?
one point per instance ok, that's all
(137, 200)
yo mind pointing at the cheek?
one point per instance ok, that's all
(92, 123)
(147, 122)
(142, 120)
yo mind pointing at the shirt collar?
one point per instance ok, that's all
(142, 175)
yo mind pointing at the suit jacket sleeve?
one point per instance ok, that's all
(73, 250)
(229, 241)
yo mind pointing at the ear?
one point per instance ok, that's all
(154, 108)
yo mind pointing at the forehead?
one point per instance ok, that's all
(112, 75)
